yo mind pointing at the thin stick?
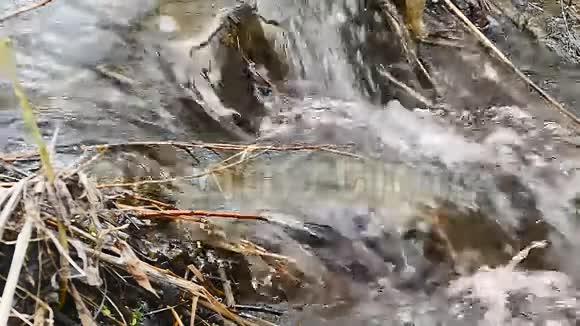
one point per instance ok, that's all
(178, 213)
(15, 268)
(20, 316)
(50, 320)
(343, 153)
(227, 286)
(151, 313)
(63, 252)
(215, 146)
(116, 308)
(153, 201)
(24, 10)
(163, 277)
(176, 316)
(220, 146)
(168, 180)
(115, 76)
(17, 157)
(266, 310)
(259, 321)
(193, 310)
(11, 205)
(524, 253)
(487, 43)
(406, 88)
(12, 168)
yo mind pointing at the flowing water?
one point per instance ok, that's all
(510, 173)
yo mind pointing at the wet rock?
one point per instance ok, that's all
(467, 238)
(532, 225)
(219, 67)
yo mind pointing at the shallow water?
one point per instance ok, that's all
(513, 169)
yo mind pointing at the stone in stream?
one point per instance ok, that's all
(218, 60)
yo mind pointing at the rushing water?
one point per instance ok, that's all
(512, 167)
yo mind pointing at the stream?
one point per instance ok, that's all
(496, 167)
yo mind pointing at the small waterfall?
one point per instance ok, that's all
(317, 51)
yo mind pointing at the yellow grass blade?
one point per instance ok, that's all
(8, 70)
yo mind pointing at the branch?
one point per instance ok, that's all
(23, 10)
(488, 44)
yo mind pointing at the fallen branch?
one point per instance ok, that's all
(488, 44)
(177, 214)
(23, 10)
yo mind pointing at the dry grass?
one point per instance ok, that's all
(34, 208)
(67, 228)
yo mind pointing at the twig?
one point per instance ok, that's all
(202, 280)
(20, 316)
(185, 145)
(82, 310)
(168, 180)
(218, 146)
(12, 168)
(248, 248)
(11, 204)
(103, 70)
(15, 267)
(115, 307)
(164, 277)
(178, 213)
(63, 253)
(227, 286)
(406, 88)
(442, 42)
(487, 43)
(17, 157)
(196, 272)
(524, 253)
(266, 310)
(193, 310)
(176, 317)
(259, 320)
(102, 304)
(153, 201)
(81, 165)
(24, 10)
(151, 313)
(50, 320)
(566, 21)
(343, 153)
